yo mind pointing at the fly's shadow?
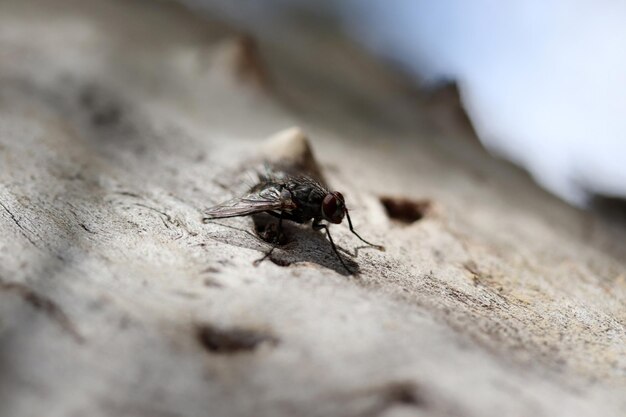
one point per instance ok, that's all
(294, 243)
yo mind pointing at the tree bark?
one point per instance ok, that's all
(121, 121)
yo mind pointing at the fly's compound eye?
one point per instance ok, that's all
(333, 208)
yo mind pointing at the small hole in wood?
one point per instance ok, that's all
(230, 341)
(406, 210)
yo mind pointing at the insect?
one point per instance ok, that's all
(297, 198)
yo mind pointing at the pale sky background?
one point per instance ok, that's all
(544, 81)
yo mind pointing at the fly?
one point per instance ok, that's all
(297, 198)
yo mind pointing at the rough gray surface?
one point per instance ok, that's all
(121, 120)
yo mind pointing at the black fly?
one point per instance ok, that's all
(297, 198)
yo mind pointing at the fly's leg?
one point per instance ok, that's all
(284, 216)
(320, 226)
(379, 247)
(279, 232)
(257, 262)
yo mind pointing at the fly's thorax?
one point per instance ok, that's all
(307, 196)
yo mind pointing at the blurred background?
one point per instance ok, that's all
(543, 82)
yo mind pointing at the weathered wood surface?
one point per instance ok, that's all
(121, 120)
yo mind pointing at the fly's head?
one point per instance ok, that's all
(334, 207)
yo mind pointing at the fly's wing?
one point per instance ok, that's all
(261, 198)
